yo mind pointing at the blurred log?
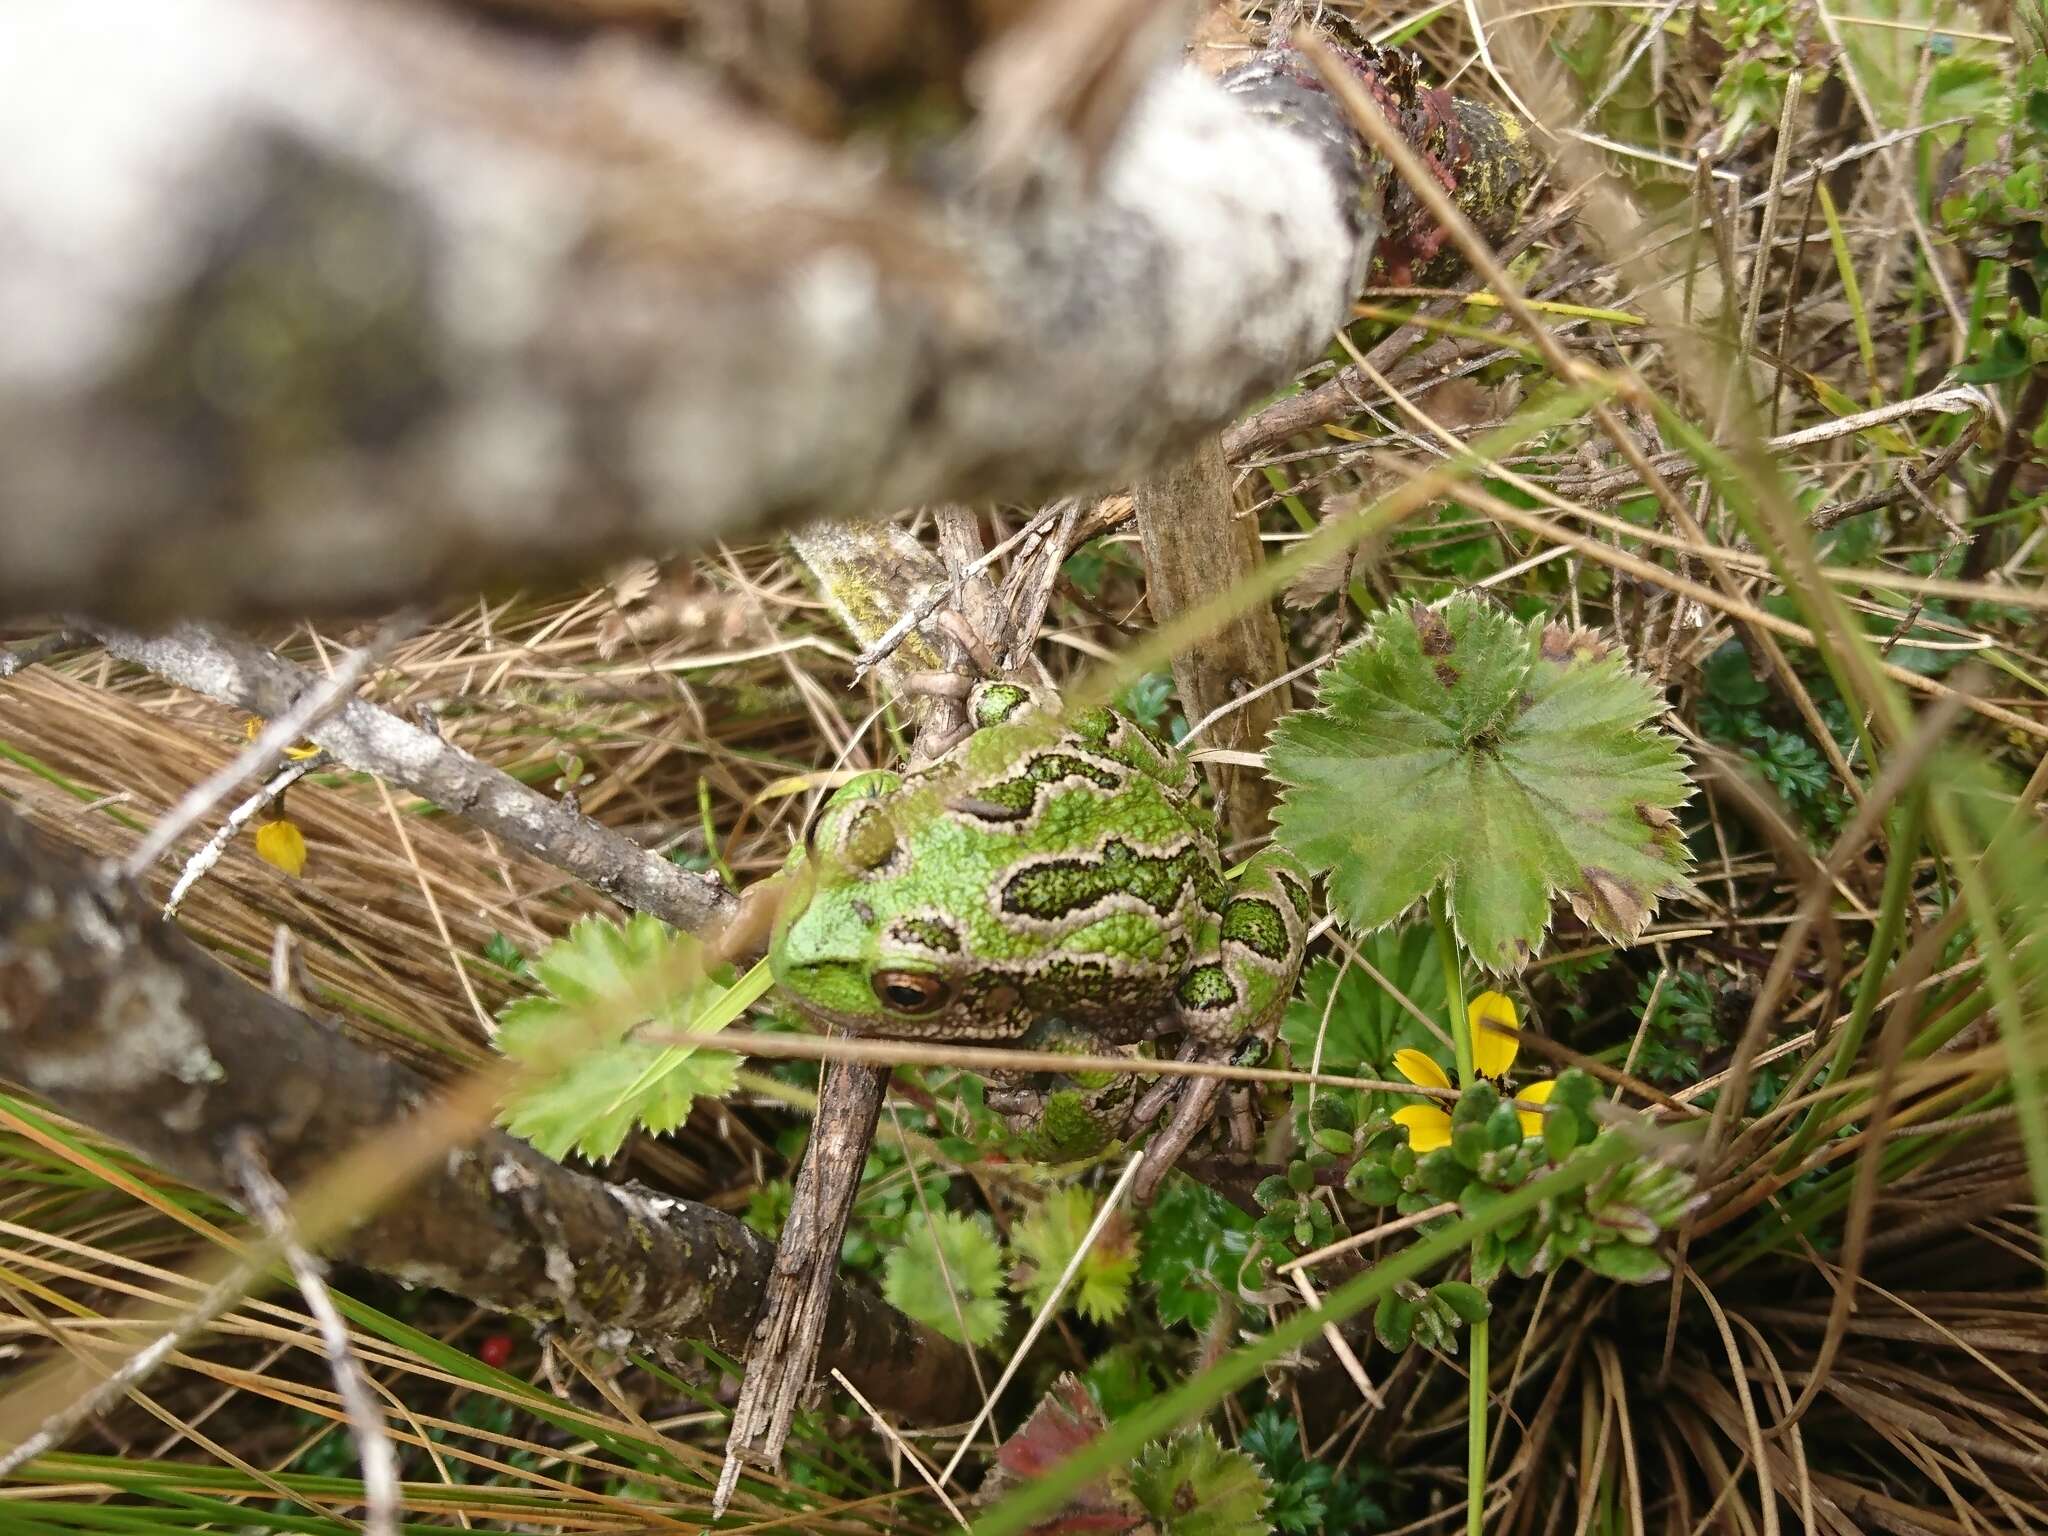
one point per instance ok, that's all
(323, 306)
(112, 1015)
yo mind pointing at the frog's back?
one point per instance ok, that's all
(1075, 839)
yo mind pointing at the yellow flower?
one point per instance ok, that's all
(280, 842)
(1493, 1053)
(1429, 1125)
(253, 727)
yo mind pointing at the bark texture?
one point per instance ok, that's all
(246, 676)
(1197, 548)
(330, 305)
(113, 1016)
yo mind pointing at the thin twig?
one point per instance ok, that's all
(903, 1447)
(1359, 1239)
(268, 1202)
(1046, 1312)
(1346, 1356)
(200, 863)
(190, 1321)
(37, 652)
(288, 727)
(941, 596)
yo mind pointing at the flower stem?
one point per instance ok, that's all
(1461, 1042)
(1454, 986)
(1475, 1434)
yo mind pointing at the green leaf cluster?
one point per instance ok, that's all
(1410, 1314)
(1047, 1239)
(591, 1077)
(1307, 1496)
(1765, 40)
(1612, 1226)
(1195, 1244)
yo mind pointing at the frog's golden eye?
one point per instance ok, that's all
(912, 991)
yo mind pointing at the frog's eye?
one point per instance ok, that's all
(871, 839)
(912, 991)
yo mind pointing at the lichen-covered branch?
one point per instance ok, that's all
(247, 676)
(116, 1018)
(364, 305)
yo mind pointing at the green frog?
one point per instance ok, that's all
(1052, 875)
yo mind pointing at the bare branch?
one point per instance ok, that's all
(245, 676)
(128, 1027)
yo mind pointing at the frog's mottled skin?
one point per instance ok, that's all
(1048, 868)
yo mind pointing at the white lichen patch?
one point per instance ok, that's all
(142, 1036)
(90, 923)
(509, 1176)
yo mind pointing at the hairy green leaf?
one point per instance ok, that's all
(1047, 1239)
(1192, 1486)
(1512, 763)
(592, 1078)
(948, 1272)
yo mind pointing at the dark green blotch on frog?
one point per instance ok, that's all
(1014, 799)
(1207, 988)
(1058, 888)
(1257, 924)
(996, 702)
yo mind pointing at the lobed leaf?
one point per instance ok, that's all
(1510, 763)
(592, 1079)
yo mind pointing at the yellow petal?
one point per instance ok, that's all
(1420, 1069)
(1428, 1127)
(1492, 1052)
(283, 844)
(1534, 1093)
(252, 727)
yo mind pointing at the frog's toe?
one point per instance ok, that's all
(1190, 1113)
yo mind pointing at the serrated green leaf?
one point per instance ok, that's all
(1046, 1241)
(1192, 1486)
(948, 1269)
(1366, 1023)
(1510, 762)
(592, 1080)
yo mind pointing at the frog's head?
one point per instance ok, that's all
(843, 950)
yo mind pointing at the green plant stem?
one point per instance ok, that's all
(1183, 1403)
(1908, 823)
(1454, 985)
(1475, 1433)
(1462, 1043)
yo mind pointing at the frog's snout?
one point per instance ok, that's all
(820, 957)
